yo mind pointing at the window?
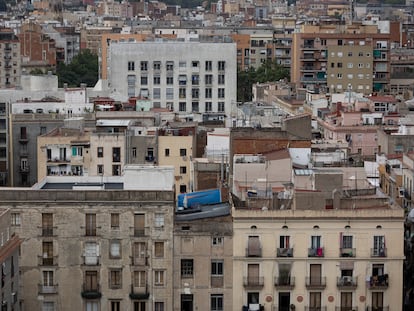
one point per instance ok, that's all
(139, 253)
(144, 80)
(15, 219)
(315, 241)
(159, 220)
(195, 79)
(284, 241)
(139, 224)
(115, 305)
(90, 224)
(170, 65)
(116, 170)
(91, 253)
(115, 278)
(350, 65)
(170, 80)
(159, 249)
(134, 152)
(221, 65)
(144, 65)
(47, 224)
(208, 92)
(208, 79)
(114, 220)
(99, 152)
(216, 302)
(139, 306)
(158, 306)
(182, 106)
(183, 188)
(183, 152)
(140, 279)
(157, 65)
(47, 253)
(169, 93)
(182, 64)
(254, 248)
(156, 93)
(220, 107)
(220, 93)
(100, 169)
(183, 170)
(157, 80)
(182, 80)
(187, 268)
(195, 64)
(208, 107)
(339, 65)
(217, 240)
(43, 130)
(217, 267)
(195, 93)
(92, 306)
(115, 249)
(159, 277)
(131, 66)
(77, 151)
(349, 54)
(48, 306)
(347, 241)
(379, 246)
(209, 65)
(47, 280)
(167, 152)
(220, 79)
(182, 93)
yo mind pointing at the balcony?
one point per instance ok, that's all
(284, 252)
(378, 252)
(47, 289)
(217, 281)
(92, 260)
(254, 251)
(316, 252)
(285, 282)
(91, 292)
(315, 308)
(48, 231)
(342, 308)
(316, 282)
(347, 252)
(139, 232)
(48, 261)
(253, 282)
(139, 292)
(378, 282)
(58, 160)
(346, 282)
(383, 308)
(139, 261)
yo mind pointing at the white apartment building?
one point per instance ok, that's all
(185, 77)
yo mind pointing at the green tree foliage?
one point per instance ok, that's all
(270, 71)
(82, 69)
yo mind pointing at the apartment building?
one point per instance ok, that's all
(322, 245)
(4, 145)
(203, 259)
(9, 261)
(10, 70)
(169, 75)
(340, 57)
(90, 249)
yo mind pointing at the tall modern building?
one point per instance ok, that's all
(185, 77)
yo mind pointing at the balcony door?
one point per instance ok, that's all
(284, 301)
(315, 274)
(346, 301)
(315, 301)
(253, 274)
(377, 301)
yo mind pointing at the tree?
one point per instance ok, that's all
(269, 71)
(82, 69)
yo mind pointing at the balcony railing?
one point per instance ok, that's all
(139, 232)
(285, 281)
(48, 261)
(343, 308)
(139, 292)
(48, 231)
(316, 252)
(379, 252)
(48, 289)
(139, 261)
(347, 252)
(346, 282)
(307, 308)
(91, 292)
(316, 282)
(253, 251)
(253, 282)
(378, 282)
(284, 252)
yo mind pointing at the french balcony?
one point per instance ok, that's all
(347, 252)
(48, 231)
(217, 281)
(139, 292)
(316, 252)
(316, 282)
(48, 261)
(92, 260)
(346, 308)
(91, 292)
(284, 252)
(47, 289)
(378, 252)
(139, 232)
(346, 282)
(139, 261)
(383, 308)
(321, 308)
(253, 282)
(254, 251)
(378, 282)
(285, 282)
